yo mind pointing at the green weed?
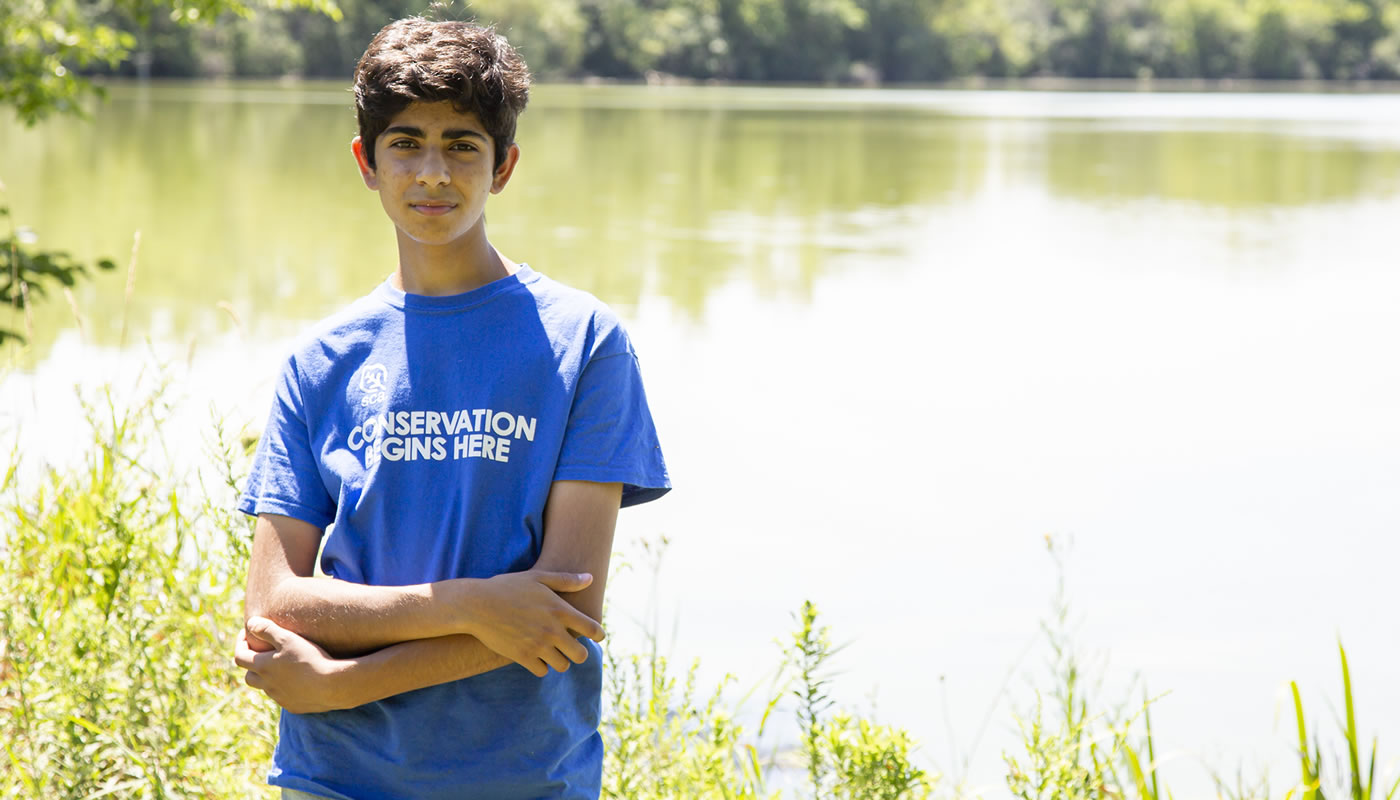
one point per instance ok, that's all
(1359, 785)
(119, 597)
(846, 758)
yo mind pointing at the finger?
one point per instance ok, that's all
(574, 650)
(584, 625)
(243, 655)
(556, 659)
(255, 680)
(565, 581)
(248, 658)
(268, 631)
(537, 667)
(253, 643)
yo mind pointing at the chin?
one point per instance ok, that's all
(435, 238)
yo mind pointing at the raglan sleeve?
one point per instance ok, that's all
(610, 437)
(286, 478)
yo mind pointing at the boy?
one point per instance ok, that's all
(467, 432)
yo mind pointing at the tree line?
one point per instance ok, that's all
(827, 41)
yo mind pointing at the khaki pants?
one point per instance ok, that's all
(293, 794)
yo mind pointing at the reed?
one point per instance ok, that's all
(1358, 785)
(119, 596)
(667, 741)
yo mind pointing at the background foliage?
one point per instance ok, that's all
(744, 40)
(120, 594)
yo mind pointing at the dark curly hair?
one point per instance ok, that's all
(419, 60)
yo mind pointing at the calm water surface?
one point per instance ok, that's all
(892, 340)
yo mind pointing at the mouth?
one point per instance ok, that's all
(432, 209)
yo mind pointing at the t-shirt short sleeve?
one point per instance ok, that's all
(285, 478)
(610, 436)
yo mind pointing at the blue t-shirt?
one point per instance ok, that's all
(425, 432)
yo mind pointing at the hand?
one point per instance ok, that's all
(521, 616)
(294, 671)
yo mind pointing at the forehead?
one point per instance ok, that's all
(434, 118)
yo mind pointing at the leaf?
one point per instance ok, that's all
(1357, 788)
(1135, 769)
(20, 770)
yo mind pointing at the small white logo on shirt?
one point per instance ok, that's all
(374, 382)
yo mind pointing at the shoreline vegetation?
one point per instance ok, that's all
(59, 47)
(1047, 84)
(121, 590)
(822, 41)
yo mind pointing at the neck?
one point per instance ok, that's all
(453, 268)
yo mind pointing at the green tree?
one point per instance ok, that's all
(628, 39)
(47, 50)
(898, 42)
(990, 37)
(791, 40)
(548, 33)
(48, 45)
(1207, 39)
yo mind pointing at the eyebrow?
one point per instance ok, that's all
(455, 133)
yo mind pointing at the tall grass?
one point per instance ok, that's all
(1084, 754)
(1073, 752)
(1357, 785)
(120, 591)
(665, 740)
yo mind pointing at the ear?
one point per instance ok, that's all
(366, 171)
(505, 170)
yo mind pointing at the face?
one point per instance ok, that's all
(434, 168)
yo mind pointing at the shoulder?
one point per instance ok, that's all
(579, 317)
(327, 341)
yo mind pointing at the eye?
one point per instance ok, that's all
(403, 144)
(464, 146)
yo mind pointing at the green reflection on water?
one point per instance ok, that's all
(1235, 169)
(247, 195)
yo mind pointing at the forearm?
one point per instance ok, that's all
(519, 615)
(349, 618)
(407, 666)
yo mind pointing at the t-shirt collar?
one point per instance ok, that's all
(453, 302)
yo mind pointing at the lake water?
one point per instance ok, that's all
(892, 339)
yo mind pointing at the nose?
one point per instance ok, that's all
(432, 168)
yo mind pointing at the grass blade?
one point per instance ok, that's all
(1357, 788)
(1151, 752)
(21, 771)
(1309, 776)
(1139, 780)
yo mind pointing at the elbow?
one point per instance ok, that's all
(252, 609)
(260, 600)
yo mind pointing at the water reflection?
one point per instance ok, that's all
(246, 195)
(684, 201)
(1237, 170)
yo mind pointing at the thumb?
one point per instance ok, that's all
(267, 630)
(566, 581)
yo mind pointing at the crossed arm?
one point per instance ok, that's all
(316, 644)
